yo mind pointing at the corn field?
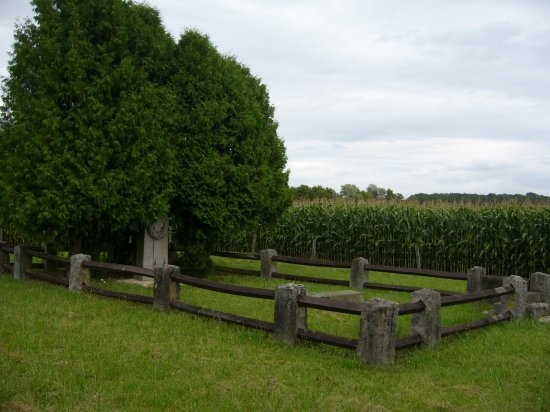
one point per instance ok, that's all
(505, 239)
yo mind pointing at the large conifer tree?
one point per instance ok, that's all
(231, 162)
(108, 124)
(84, 148)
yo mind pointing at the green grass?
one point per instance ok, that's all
(65, 351)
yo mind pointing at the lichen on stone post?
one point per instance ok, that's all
(427, 324)
(540, 282)
(268, 266)
(165, 290)
(359, 275)
(21, 263)
(289, 316)
(378, 331)
(517, 302)
(475, 275)
(79, 277)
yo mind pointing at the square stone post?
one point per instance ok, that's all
(378, 332)
(358, 275)
(540, 282)
(79, 277)
(427, 324)
(165, 290)
(268, 266)
(21, 262)
(289, 316)
(475, 275)
(517, 302)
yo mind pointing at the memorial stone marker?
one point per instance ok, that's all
(153, 246)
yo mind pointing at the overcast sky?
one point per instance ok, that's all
(417, 96)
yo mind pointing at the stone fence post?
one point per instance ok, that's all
(21, 263)
(517, 302)
(475, 276)
(79, 277)
(540, 283)
(289, 316)
(268, 266)
(165, 289)
(427, 324)
(359, 275)
(378, 332)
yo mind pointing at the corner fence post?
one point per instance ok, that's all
(427, 324)
(517, 303)
(358, 275)
(165, 290)
(21, 263)
(289, 316)
(540, 283)
(475, 275)
(79, 277)
(268, 266)
(378, 330)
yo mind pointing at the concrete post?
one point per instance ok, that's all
(378, 332)
(475, 275)
(540, 282)
(427, 324)
(79, 277)
(165, 290)
(21, 262)
(268, 266)
(517, 302)
(359, 275)
(289, 316)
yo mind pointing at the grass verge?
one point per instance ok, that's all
(66, 351)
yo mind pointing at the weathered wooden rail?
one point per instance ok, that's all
(268, 261)
(291, 304)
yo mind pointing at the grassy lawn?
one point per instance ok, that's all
(64, 351)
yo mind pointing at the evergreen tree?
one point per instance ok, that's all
(108, 124)
(231, 163)
(84, 151)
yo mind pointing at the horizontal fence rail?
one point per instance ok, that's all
(477, 296)
(347, 265)
(223, 316)
(38, 274)
(114, 267)
(119, 295)
(418, 308)
(450, 330)
(224, 288)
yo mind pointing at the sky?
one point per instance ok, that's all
(424, 96)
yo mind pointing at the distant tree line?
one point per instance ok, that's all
(491, 198)
(347, 191)
(351, 191)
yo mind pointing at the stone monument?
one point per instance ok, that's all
(153, 246)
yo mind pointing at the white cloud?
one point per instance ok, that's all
(418, 96)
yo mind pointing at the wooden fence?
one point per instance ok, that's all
(377, 340)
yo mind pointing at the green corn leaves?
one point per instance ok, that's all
(505, 239)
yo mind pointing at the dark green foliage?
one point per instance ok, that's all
(304, 192)
(230, 160)
(109, 124)
(84, 150)
(347, 191)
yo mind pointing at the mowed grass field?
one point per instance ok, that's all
(64, 351)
